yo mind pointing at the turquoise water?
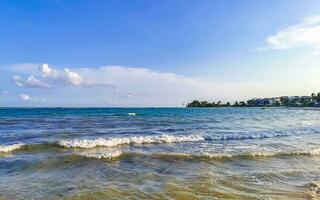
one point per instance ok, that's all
(159, 153)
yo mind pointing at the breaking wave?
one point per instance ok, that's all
(9, 148)
(111, 142)
(116, 153)
(101, 153)
(106, 152)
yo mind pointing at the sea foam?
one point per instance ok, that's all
(101, 153)
(111, 142)
(314, 190)
(9, 148)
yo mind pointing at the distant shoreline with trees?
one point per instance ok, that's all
(283, 101)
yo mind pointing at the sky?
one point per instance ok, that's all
(142, 53)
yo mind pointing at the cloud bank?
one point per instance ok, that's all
(304, 34)
(142, 87)
(127, 86)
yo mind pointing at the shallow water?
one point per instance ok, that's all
(159, 153)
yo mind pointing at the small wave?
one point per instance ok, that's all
(132, 114)
(9, 148)
(264, 134)
(226, 156)
(313, 189)
(308, 152)
(101, 153)
(204, 155)
(111, 142)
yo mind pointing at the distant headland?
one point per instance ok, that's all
(284, 101)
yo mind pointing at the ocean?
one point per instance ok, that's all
(159, 153)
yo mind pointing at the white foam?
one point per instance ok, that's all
(314, 190)
(132, 114)
(9, 148)
(111, 142)
(215, 155)
(101, 153)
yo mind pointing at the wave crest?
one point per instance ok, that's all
(111, 142)
(9, 148)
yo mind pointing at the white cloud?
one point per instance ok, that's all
(130, 95)
(16, 78)
(303, 34)
(142, 86)
(50, 77)
(25, 97)
(31, 81)
(18, 81)
(63, 77)
(48, 72)
(73, 77)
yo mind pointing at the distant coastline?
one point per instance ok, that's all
(283, 101)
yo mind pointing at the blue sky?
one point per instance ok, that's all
(156, 53)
